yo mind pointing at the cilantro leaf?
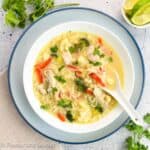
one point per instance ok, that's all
(83, 42)
(99, 108)
(132, 144)
(54, 50)
(69, 116)
(131, 126)
(147, 134)
(60, 79)
(6, 4)
(18, 16)
(147, 118)
(138, 133)
(80, 84)
(97, 63)
(40, 7)
(54, 90)
(11, 18)
(72, 49)
(61, 67)
(110, 59)
(45, 106)
(16, 13)
(65, 103)
(96, 51)
(102, 55)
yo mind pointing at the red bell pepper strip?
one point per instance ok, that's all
(42, 65)
(89, 91)
(95, 77)
(39, 75)
(73, 68)
(61, 116)
(39, 67)
(78, 74)
(100, 41)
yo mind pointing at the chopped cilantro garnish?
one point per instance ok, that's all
(54, 49)
(97, 63)
(54, 90)
(110, 59)
(83, 42)
(102, 55)
(75, 62)
(99, 108)
(80, 85)
(96, 52)
(60, 79)
(69, 116)
(72, 49)
(61, 67)
(65, 103)
(45, 106)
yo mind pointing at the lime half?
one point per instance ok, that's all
(142, 15)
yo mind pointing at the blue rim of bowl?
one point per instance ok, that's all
(55, 11)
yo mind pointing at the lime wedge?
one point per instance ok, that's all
(129, 4)
(138, 5)
(142, 15)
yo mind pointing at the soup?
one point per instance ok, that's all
(68, 75)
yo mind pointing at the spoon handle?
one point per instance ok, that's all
(125, 103)
(129, 108)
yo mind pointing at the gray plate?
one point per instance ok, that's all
(23, 45)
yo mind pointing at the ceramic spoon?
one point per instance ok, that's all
(126, 105)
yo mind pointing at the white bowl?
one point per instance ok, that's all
(129, 22)
(112, 39)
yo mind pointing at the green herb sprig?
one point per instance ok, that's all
(138, 132)
(17, 14)
(83, 42)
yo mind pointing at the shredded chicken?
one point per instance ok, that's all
(67, 57)
(41, 89)
(106, 50)
(90, 54)
(50, 77)
(100, 95)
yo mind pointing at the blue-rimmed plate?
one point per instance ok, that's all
(15, 72)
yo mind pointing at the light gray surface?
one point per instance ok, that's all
(16, 134)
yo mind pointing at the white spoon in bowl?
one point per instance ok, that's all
(122, 100)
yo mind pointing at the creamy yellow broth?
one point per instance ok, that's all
(68, 75)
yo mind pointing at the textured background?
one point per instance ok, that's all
(15, 134)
